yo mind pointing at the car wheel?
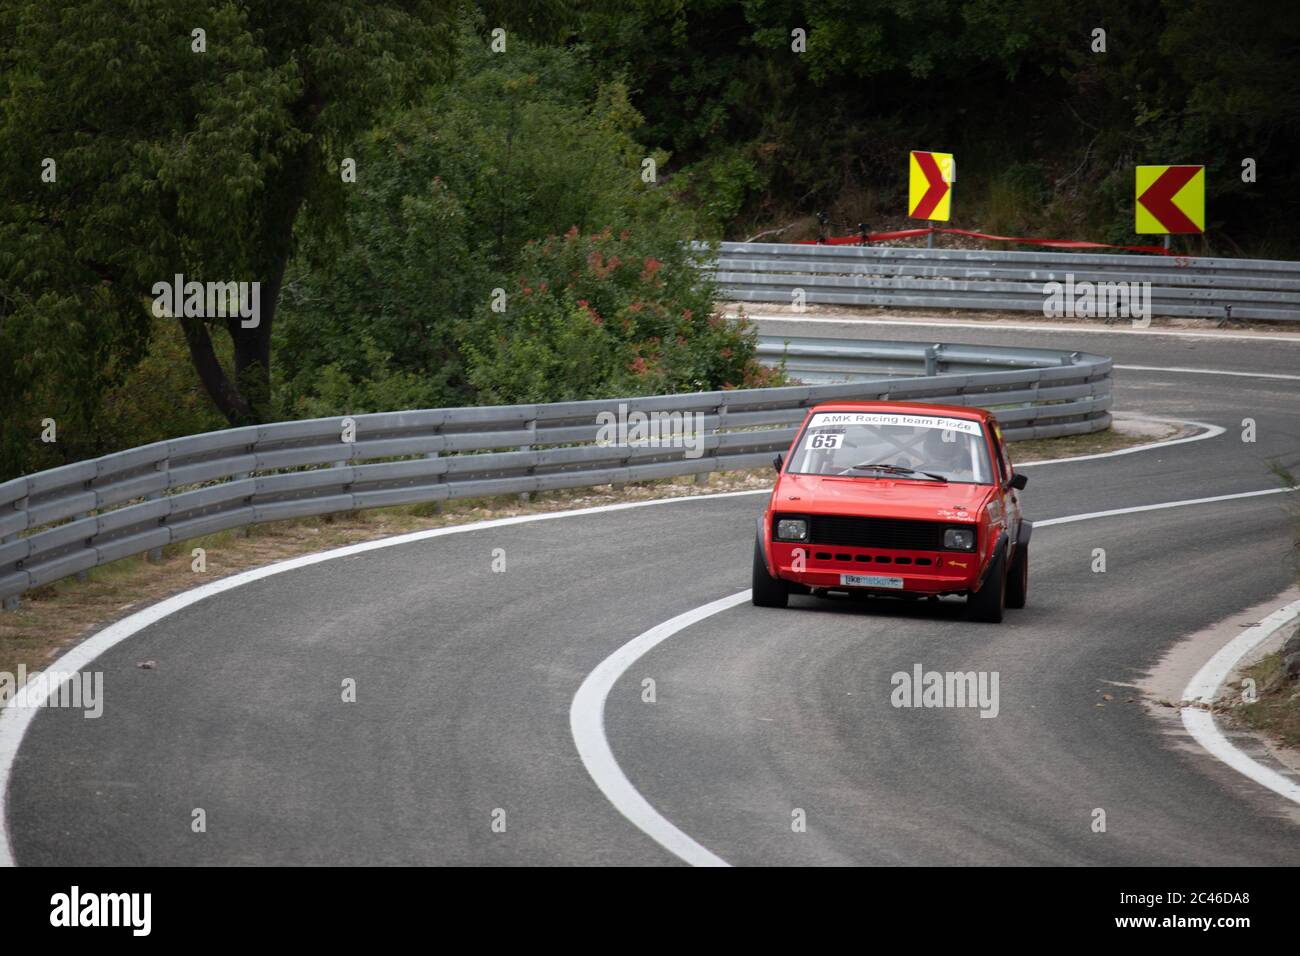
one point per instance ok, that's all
(987, 603)
(1018, 577)
(767, 590)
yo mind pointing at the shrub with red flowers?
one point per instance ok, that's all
(605, 314)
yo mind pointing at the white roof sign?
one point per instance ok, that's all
(894, 419)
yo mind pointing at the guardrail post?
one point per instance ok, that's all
(437, 505)
(249, 449)
(155, 554)
(932, 359)
(702, 477)
(532, 428)
(11, 603)
(617, 486)
(83, 574)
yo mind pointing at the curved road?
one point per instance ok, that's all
(465, 677)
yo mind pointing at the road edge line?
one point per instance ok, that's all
(1210, 431)
(14, 721)
(1203, 688)
(587, 725)
(587, 711)
(1207, 371)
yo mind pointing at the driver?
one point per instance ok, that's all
(948, 458)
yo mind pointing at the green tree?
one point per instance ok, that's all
(180, 152)
(762, 132)
(515, 147)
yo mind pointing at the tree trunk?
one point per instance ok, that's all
(253, 354)
(285, 191)
(245, 397)
(216, 383)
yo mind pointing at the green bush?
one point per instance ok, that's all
(139, 402)
(1015, 199)
(453, 200)
(596, 315)
(719, 187)
(378, 317)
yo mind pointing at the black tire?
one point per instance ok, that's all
(767, 590)
(987, 603)
(1018, 577)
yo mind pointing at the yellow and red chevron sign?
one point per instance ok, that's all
(1170, 199)
(929, 185)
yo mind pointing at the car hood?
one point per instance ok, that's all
(880, 497)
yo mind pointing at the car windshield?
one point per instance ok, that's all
(893, 445)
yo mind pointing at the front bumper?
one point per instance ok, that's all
(922, 572)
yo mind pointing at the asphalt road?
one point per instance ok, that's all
(464, 680)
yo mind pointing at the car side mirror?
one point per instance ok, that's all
(1018, 481)
(777, 462)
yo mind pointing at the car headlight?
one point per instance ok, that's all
(959, 539)
(792, 529)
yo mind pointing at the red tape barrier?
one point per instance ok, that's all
(911, 233)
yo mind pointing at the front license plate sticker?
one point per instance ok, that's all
(870, 581)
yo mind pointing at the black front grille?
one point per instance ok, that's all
(875, 532)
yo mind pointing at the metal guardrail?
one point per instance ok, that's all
(1261, 289)
(67, 520)
(829, 361)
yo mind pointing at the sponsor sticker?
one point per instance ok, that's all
(888, 419)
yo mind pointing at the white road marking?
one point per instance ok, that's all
(1204, 688)
(1210, 431)
(587, 712)
(995, 326)
(1070, 519)
(1208, 371)
(587, 723)
(14, 721)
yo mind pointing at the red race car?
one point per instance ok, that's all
(901, 499)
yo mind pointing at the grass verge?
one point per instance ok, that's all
(1118, 437)
(1276, 713)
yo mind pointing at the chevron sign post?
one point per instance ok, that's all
(1170, 199)
(929, 185)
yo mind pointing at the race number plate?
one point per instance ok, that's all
(870, 581)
